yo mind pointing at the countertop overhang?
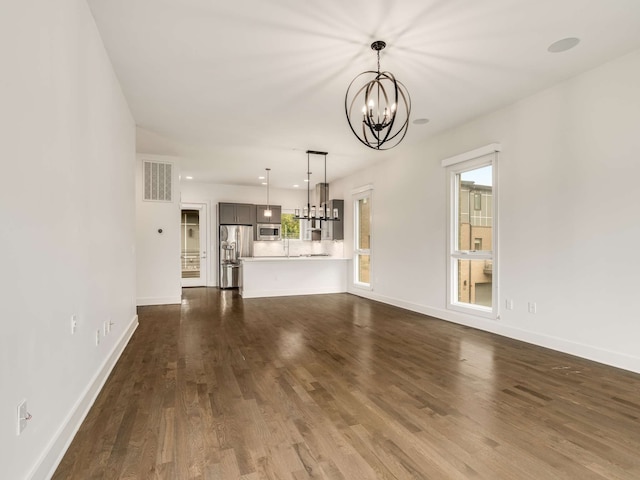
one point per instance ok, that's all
(292, 258)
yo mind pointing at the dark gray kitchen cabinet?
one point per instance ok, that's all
(236, 214)
(276, 214)
(334, 229)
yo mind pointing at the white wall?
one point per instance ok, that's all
(568, 216)
(67, 216)
(158, 254)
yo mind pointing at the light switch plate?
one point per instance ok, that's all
(22, 416)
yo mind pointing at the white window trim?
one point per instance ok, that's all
(479, 157)
(358, 194)
(472, 154)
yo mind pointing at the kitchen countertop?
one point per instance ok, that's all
(291, 258)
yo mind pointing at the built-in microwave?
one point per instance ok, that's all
(268, 231)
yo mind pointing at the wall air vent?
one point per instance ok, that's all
(157, 181)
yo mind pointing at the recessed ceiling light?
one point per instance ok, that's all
(296, 186)
(306, 179)
(260, 178)
(420, 121)
(264, 183)
(189, 177)
(563, 45)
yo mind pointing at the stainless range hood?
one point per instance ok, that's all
(321, 198)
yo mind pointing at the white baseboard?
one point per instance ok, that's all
(146, 301)
(52, 456)
(589, 352)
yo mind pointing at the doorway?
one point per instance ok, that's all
(193, 245)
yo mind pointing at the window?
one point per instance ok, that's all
(290, 226)
(472, 238)
(477, 201)
(362, 239)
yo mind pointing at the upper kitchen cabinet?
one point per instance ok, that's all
(236, 214)
(276, 214)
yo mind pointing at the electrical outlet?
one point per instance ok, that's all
(105, 328)
(23, 417)
(532, 307)
(74, 324)
(97, 337)
(508, 304)
(111, 324)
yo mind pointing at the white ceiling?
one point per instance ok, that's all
(237, 86)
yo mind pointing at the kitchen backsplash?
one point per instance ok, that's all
(298, 247)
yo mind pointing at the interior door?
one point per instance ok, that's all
(193, 244)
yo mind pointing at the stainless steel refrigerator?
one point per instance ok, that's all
(235, 241)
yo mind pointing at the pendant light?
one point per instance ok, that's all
(310, 212)
(378, 110)
(267, 212)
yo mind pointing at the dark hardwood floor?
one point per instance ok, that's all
(339, 387)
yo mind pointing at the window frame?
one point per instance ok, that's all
(482, 157)
(362, 193)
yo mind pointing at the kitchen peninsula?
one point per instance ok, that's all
(295, 275)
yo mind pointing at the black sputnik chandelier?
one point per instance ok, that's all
(378, 110)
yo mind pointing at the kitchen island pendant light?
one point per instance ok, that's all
(267, 211)
(378, 111)
(323, 212)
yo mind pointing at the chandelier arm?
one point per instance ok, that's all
(349, 111)
(366, 140)
(386, 102)
(407, 104)
(308, 186)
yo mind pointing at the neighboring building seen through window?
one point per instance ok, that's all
(475, 234)
(362, 250)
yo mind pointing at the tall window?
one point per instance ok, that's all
(362, 238)
(472, 239)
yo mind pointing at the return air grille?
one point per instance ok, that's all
(157, 181)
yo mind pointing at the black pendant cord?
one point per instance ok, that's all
(268, 170)
(308, 186)
(326, 190)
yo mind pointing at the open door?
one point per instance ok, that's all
(193, 244)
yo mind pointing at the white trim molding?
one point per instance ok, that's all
(53, 454)
(589, 352)
(146, 301)
(363, 188)
(465, 162)
(470, 155)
